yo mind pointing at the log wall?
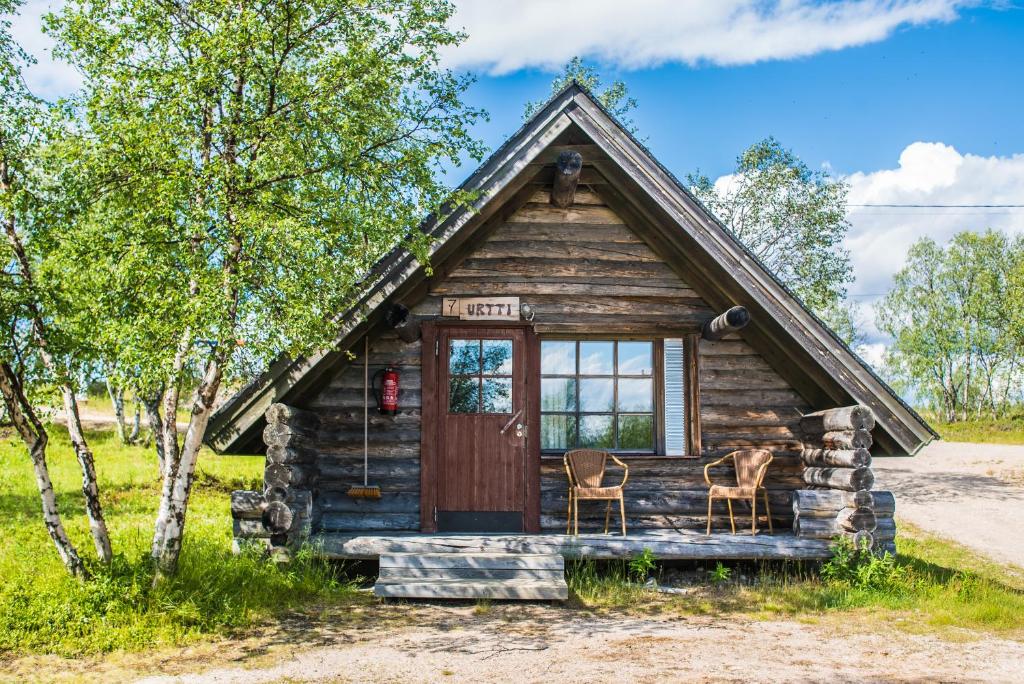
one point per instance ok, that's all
(583, 271)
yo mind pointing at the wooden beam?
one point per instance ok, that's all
(567, 177)
(731, 321)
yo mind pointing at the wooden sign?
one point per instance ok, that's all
(481, 308)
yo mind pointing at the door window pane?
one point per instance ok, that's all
(497, 357)
(557, 394)
(597, 432)
(497, 395)
(480, 376)
(557, 357)
(596, 358)
(464, 357)
(464, 394)
(636, 394)
(557, 431)
(635, 358)
(636, 432)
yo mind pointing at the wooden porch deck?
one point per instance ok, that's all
(665, 544)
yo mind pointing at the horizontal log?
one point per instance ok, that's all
(284, 454)
(736, 318)
(559, 267)
(884, 504)
(289, 475)
(247, 504)
(389, 502)
(885, 547)
(297, 499)
(540, 286)
(583, 196)
(278, 517)
(512, 232)
(276, 434)
(335, 521)
(580, 214)
(886, 530)
(780, 399)
(583, 247)
(849, 439)
(376, 435)
(290, 415)
(828, 528)
(826, 503)
(848, 479)
(857, 519)
(249, 529)
(665, 501)
(741, 380)
(352, 377)
(342, 419)
(352, 398)
(838, 458)
(719, 416)
(845, 418)
(592, 519)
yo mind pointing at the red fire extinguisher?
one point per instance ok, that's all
(387, 393)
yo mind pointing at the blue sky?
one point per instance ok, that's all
(909, 101)
(960, 82)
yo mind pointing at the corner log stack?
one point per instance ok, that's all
(279, 518)
(839, 501)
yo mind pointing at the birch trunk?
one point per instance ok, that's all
(34, 435)
(156, 427)
(133, 436)
(90, 489)
(117, 401)
(180, 472)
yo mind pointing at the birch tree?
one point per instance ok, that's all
(33, 346)
(250, 161)
(794, 220)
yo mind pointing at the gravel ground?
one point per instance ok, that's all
(452, 645)
(970, 493)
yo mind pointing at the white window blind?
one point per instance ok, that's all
(674, 418)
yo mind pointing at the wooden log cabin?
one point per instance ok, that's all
(585, 299)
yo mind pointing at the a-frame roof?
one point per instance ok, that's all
(654, 204)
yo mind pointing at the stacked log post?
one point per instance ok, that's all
(839, 501)
(280, 517)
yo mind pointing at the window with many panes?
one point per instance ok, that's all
(597, 394)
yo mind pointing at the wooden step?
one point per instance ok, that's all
(522, 576)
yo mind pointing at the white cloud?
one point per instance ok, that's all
(505, 37)
(927, 173)
(48, 78)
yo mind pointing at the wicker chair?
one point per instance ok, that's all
(751, 466)
(585, 469)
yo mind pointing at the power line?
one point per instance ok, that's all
(943, 206)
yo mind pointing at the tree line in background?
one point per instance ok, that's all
(956, 317)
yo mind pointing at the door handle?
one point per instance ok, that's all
(511, 421)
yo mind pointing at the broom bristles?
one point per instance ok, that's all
(364, 492)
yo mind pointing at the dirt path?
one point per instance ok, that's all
(538, 644)
(970, 493)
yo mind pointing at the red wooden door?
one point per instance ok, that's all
(482, 410)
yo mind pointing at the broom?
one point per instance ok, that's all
(366, 491)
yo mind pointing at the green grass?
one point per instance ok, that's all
(1004, 431)
(43, 610)
(931, 585)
